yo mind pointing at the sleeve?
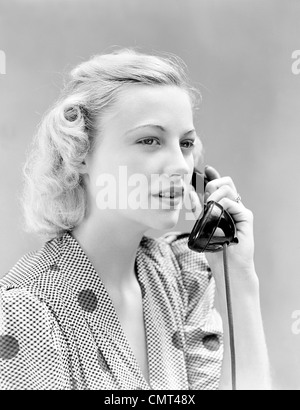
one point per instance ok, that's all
(202, 323)
(30, 354)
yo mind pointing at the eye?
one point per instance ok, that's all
(143, 142)
(147, 141)
(191, 142)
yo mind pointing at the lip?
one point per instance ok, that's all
(176, 196)
(171, 202)
(176, 191)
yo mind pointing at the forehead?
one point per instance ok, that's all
(138, 103)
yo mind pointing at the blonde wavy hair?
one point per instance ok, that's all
(54, 197)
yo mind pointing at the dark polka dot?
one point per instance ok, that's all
(177, 340)
(54, 267)
(211, 342)
(9, 347)
(102, 361)
(87, 300)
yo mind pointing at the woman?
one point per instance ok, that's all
(101, 305)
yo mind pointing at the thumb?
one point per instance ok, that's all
(211, 173)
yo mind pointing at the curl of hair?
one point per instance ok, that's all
(54, 197)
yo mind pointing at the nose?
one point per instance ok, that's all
(176, 164)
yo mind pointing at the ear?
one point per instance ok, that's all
(83, 168)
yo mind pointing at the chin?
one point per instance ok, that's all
(165, 222)
(158, 219)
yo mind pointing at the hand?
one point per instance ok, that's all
(252, 363)
(241, 255)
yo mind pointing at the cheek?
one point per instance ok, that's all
(103, 163)
(117, 181)
(102, 177)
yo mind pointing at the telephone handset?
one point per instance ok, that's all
(205, 237)
(214, 227)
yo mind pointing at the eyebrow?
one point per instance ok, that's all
(158, 127)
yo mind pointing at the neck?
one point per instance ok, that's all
(111, 246)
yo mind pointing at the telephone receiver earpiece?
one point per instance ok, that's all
(206, 235)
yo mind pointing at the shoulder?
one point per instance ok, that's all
(179, 253)
(187, 259)
(25, 318)
(189, 269)
(31, 266)
(29, 329)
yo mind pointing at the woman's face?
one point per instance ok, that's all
(146, 144)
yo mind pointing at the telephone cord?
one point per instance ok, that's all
(230, 317)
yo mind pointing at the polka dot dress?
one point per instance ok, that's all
(60, 330)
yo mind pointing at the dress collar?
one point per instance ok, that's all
(99, 311)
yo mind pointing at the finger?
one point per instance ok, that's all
(225, 191)
(211, 173)
(216, 184)
(236, 209)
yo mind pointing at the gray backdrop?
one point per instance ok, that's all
(239, 54)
